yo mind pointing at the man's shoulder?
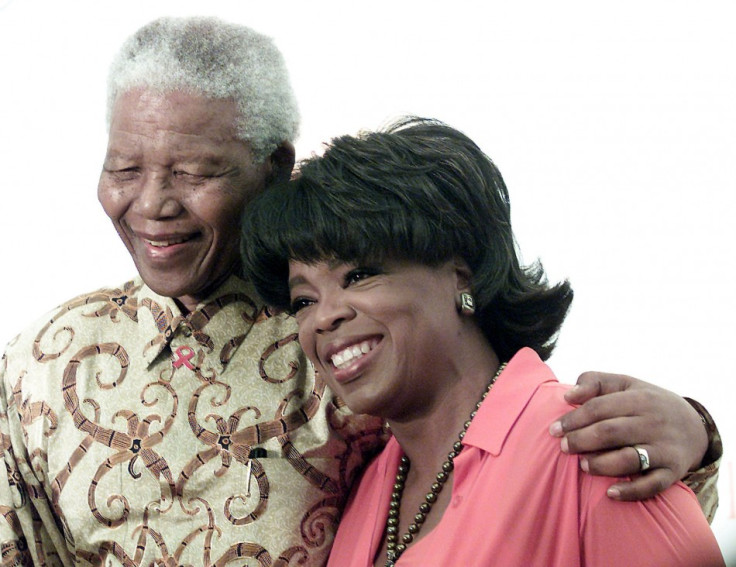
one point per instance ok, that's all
(121, 297)
(79, 315)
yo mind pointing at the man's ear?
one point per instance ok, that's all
(282, 162)
(463, 274)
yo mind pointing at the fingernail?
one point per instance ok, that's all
(584, 465)
(556, 429)
(564, 446)
(571, 392)
(614, 493)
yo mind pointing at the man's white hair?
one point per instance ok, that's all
(216, 59)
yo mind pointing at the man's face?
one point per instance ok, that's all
(174, 182)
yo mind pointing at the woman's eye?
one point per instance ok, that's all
(360, 274)
(298, 304)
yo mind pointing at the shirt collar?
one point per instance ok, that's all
(507, 399)
(160, 318)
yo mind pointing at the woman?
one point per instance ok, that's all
(395, 253)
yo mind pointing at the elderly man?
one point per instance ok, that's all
(173, 420)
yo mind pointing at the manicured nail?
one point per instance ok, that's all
(614, 493)
(585, 465)
(564, 446)
(556, 429)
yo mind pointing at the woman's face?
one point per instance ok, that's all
(383, 336)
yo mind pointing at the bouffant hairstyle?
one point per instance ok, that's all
(420, 191)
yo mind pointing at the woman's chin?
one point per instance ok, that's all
(358, 402)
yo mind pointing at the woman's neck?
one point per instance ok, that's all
(427, 438)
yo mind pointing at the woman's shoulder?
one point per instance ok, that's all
(527, 394)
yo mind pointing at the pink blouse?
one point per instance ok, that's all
(517, 500)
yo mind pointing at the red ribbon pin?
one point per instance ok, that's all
(184, 354)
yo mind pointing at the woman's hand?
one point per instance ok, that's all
(618, 412)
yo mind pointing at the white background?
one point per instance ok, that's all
(614, 124)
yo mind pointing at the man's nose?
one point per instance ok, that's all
(157, 198)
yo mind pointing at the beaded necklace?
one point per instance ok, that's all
(394, 548)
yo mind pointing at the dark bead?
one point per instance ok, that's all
(394, 550)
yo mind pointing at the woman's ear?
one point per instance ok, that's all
(464, 301)
(463, 274)
(282, 163)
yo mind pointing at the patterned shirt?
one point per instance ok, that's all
(136, 435)
(704, 481)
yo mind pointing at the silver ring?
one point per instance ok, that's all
(643, 458)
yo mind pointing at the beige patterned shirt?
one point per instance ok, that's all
(134, 435)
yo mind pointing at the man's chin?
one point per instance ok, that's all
(169, 284)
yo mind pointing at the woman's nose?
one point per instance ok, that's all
(331, 313)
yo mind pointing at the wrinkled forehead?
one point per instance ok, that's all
(164, 130)
(182, 111)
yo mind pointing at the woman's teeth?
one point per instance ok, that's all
(344, 357)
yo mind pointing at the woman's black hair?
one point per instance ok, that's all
(418, 191)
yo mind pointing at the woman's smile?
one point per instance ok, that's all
(377, 334)
(343, 358)
(351, 362)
